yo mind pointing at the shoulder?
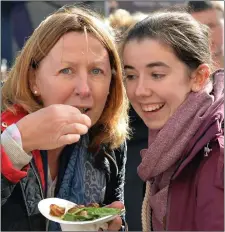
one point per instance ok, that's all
(8, 117)
(210, 176)
(210, 189)
(212, 168)
(117, 158)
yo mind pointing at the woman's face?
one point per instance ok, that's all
(76, 72)
(156, 81)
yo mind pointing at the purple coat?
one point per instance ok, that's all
(196, 191)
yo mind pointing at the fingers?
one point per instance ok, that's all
(72, 114)
(71, 132)
(76, 125)
(115, 224)
(116, 204)
(68, 139)
(86, 120)
(77, 116)
(80, 118)
(75, 128)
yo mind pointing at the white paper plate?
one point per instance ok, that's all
(44, 208)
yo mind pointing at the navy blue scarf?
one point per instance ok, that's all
(81, 182)
(72, 185)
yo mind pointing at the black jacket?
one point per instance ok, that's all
(19, 201)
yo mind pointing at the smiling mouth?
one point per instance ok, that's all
(152, 107)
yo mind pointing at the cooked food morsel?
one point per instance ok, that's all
(95, 205)
(56, 210)
(75, 208)
(83, 213)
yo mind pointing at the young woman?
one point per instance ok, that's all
(65, 123)
(167, 65)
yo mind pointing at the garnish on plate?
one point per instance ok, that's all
(83, 213)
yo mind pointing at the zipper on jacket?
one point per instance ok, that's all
(37, 176)
(25, 202)
(167, 209)
(42, 194)
(169, 196)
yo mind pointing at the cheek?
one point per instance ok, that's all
(101, 91)
(176, 88)
(55, 94)
(130, 91)
(175, 99)
(100, 96)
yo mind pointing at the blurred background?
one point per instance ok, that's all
(20, 18)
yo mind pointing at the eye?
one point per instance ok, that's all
(157, 75)
(96, 71)
(130, 77)
(66, 71)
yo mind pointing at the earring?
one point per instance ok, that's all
(35, 92)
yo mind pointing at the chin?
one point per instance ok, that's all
(94, 120)
(155, 125)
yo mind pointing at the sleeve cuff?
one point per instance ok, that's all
(16, 154)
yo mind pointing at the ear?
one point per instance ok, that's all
(200, 77)
(33, 83)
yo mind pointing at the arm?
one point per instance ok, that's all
(210, 192)
(10, 176)
(13, 159)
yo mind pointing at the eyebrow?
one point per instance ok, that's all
(157, 64)
(95, 62)
(150, 65)
(64, 62)
(128, 67)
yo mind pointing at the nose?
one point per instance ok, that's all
(143, 88)
(82, 87)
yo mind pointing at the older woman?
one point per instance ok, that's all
(65, 123)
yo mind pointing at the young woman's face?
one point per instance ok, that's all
(156, 81)
(76, 72)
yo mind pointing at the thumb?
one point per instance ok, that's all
(116, 204)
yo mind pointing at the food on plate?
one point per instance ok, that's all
(89, 212)
(75, 208)
(56, 210)
(96, 205)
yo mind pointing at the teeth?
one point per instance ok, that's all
(152, 107)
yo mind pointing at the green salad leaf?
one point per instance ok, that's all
(92, 213)
(102, 212)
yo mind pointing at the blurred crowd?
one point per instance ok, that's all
(210, 13)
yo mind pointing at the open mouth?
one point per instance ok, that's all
(84, 110)
(153, 108)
